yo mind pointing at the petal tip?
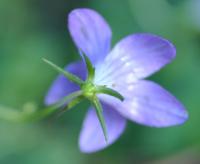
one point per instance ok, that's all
(181, 119)
(91, 138)
(47, 101)
(86, 150)
(172, 48)
(90, 33)
(185, 117)
(168, 43)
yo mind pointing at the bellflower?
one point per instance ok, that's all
(122, 69)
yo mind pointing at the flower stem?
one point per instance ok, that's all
(54, 108)
(14, 115)
(71, 104)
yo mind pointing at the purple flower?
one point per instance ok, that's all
(123, 69)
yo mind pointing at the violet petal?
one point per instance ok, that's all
(90, 32)
(91, 136)
(62, 86)
(139, 55)
(149, 104)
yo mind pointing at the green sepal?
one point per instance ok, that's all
(90, 68)
(70, 76)
(109, 91)
(99, 113)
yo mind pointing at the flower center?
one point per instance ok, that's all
(89, 90)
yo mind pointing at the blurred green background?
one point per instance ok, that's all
(32, 29)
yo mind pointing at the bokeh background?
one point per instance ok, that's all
(32, 29)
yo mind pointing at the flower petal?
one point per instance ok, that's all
(135, 57)
(149, 104)
(90, 32)
(91, 136)
(62, 86)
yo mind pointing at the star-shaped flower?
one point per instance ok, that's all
(122, 69)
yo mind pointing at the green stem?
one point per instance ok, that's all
(67, 98)
(71, 104)
(54, 108)
(10, 114)
(14, 115)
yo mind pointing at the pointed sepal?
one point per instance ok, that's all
(70, 76)
(90, 68)
(99, 113)
(109, 91)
